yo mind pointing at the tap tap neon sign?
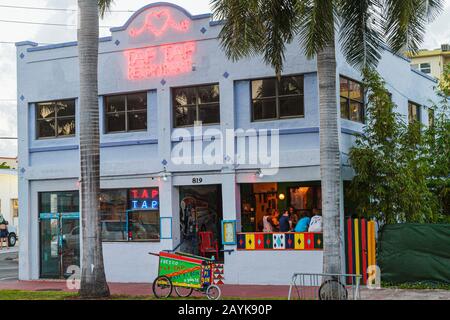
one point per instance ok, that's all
(144, 199)
(158, 22)
(165, 60)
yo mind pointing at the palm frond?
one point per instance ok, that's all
(406, 21)
(317, 25)
(361, 31)
(254, 27)
(103, 6)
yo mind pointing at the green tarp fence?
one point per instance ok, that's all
(414, 252)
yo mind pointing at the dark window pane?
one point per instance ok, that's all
(291, 106)
(185, 116)
(66, 126)
(431, 117)
(343, 87)
(291, 85)
(137, 101)
(263, 88)
(143, 225)
(115, 122)
(65, 108)
(113, 206)
(185, 96)
(209, 113)
(208, 94)
(344, 108)
(46, 128)
(115, 103)
(355, 91)
(264, 109)
(413, 112)
(46, 110)
(356, 111)
(137, 120)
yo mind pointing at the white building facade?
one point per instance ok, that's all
(159, 74)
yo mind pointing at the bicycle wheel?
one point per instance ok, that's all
(332, 290)
(183, 292)
(162, 287)
(213, 292)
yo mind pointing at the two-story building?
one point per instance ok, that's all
(167, 181)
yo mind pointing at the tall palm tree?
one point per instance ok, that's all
(264, 27)
(93, 279)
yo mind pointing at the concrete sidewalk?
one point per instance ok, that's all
(237, 291)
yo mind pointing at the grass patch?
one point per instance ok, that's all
(35, 295)
(60, 295)
(417, 285)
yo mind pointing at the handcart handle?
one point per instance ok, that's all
(154, 254)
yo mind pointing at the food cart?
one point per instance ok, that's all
(186, 273)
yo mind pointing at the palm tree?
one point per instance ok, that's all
(93, 279)
(256, 27)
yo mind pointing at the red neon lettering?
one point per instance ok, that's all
(134, 193)
(158, 21)
(144, 194)
(176, 59)
(154, 193)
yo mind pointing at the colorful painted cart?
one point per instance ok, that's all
(185, 273)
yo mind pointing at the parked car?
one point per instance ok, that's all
(12, 235)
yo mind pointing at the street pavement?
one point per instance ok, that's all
(9, 265)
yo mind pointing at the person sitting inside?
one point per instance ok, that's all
(285, 222)
(268, 224)
(303, 223)
(316, 222)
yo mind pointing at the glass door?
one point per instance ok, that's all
(59, 243)
(70, 241)
(50, 245)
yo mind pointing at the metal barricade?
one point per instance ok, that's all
(324, 286)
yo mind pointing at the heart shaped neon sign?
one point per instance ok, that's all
(157, 22)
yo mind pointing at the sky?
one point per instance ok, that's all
(437, 33)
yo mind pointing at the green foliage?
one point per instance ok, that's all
(437, 141)
(3, 165)
(265, 27)
(401, 170)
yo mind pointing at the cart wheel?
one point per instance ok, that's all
(213, 292)
(183, 292)
(162, 287)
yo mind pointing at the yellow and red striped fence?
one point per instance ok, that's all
(360, 246)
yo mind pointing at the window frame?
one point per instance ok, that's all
(196, 105)
(126, 217)
(55, 118)
(419, 111)
(126, 112)
(277, 99)
(349, 100)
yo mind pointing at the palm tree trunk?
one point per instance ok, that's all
(93, 280)
(330, 166)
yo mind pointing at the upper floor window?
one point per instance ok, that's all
(55, 119)
(352, 100)
(277, 99)
(196, 104)
(124, 113)
(423, 67)
(413, 112)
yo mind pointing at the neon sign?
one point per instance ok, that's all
(158, 22)
(144, 199)
(173, 59)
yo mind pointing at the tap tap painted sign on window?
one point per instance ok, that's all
(164, 60)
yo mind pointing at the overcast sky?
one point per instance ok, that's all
(437, 33)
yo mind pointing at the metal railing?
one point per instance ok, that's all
(324, 286)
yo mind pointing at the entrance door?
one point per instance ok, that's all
(200, 211)
(60, 243)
